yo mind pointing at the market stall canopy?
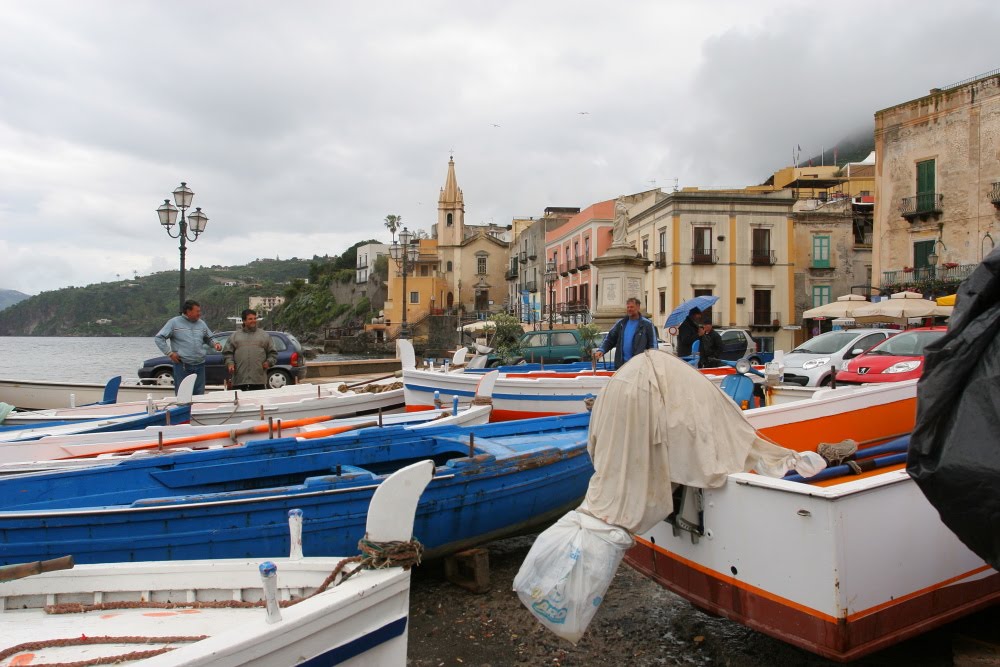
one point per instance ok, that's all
(844, 306)
(899, 308)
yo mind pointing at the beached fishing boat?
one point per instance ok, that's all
(103, 425)
(42, 395)
(491, 481)
(845, 565)
(293, 402)
(72, 451)
(222, 612)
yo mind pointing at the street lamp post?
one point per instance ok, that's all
(550, 278)
(196, 223)
(405, 254)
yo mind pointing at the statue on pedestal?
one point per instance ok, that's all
(619, 232)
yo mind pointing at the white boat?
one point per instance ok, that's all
(39, 395)
(191, 612)
(226, 407)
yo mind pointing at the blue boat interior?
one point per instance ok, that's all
(287, 466)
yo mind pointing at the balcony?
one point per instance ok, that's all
(511, 273)
(763, 257)
(573, 264)
(701, 256)
(564, 269)
(531, 286)
(926, 279)
(995, 194)
(923, 206)
(660, 260)
(760, 319)
(583, 261)
(523, 257)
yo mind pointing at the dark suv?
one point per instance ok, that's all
(290, 369)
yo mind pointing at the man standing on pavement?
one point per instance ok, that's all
(632, 335)
(249, 352)
(687, 332)
(183, 339)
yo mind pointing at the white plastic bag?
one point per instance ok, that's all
(567, 571)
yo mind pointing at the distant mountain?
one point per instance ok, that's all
(139, 307)
(8, 297)
(853, 148)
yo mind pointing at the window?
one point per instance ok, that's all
(702, 245)
(481, 265)
(821, 252)
(663, 302)
(585, 293)
(925, 186)
(821, 295)
(576, 250)
(414, 297)
(760, 252)
(537, 340)
(586, 248)
(663, 240)
(921, 251)
(563, 338)
(762, 315)
(645, 247)
(449, 219)
(424, 270)
(868, 341)
(706, 315)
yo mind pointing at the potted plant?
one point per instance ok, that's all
(907, 269)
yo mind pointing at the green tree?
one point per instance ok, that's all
(590, 335)
(507, 337)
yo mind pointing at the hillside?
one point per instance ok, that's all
(140, 307)
(8, 297)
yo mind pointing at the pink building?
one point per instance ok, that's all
(568, 251)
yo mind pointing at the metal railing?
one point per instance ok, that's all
(995, 194)
(943, 272)
(564, 269)
(921, 204)
(710, 256)
(531, 286)
(761, 319)
(511, 273)
(763, 257)
(583, 261)
(660, 260)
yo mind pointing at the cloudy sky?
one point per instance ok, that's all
(301, 125)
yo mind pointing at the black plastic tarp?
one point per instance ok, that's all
(954, 453)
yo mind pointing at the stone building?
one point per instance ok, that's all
(937, 186)
(527, 295)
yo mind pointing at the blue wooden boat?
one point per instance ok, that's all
(139, 420)
(232, 503)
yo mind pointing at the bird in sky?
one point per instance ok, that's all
(494, 125)
(583, 113)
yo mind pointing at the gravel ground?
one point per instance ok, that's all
(638, 624)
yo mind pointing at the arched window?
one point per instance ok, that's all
(449, 221)
(449, 266)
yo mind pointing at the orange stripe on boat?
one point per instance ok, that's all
(869, 423)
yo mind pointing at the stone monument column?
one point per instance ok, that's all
(621, 272)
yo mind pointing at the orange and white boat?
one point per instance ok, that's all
(842, 567)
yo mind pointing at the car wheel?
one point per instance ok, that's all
(165, 377)
(277, 379)
(755, 361)
(825, 382)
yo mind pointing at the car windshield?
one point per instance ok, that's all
(907, 344)
(827, 343)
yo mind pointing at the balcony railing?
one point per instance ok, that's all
(511, 273)
(760, 257)
(710, 256)
(995, 194)
(531, 286)
(660, 259)
(583, 261)
(523, 257)
(572, 264)
(928, 204)
(564, 269)
(760, 319)
(903, 278)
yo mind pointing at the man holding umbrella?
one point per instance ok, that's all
(632, 335)
(687, 332)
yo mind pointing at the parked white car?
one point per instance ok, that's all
(809, 365)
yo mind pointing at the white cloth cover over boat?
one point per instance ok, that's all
(657, 422)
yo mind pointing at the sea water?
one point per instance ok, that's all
(74, 359)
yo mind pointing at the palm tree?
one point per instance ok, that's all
(392, 223)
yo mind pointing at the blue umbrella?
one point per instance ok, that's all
(681, 312)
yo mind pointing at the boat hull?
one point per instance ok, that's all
(840, 571)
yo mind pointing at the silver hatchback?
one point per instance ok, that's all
(814, 363)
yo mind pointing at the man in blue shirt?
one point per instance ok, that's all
(632, 335)
(183, 339)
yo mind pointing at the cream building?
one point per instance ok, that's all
(738, 245)
(937, 186)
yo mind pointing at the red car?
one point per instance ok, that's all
(894, 359)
